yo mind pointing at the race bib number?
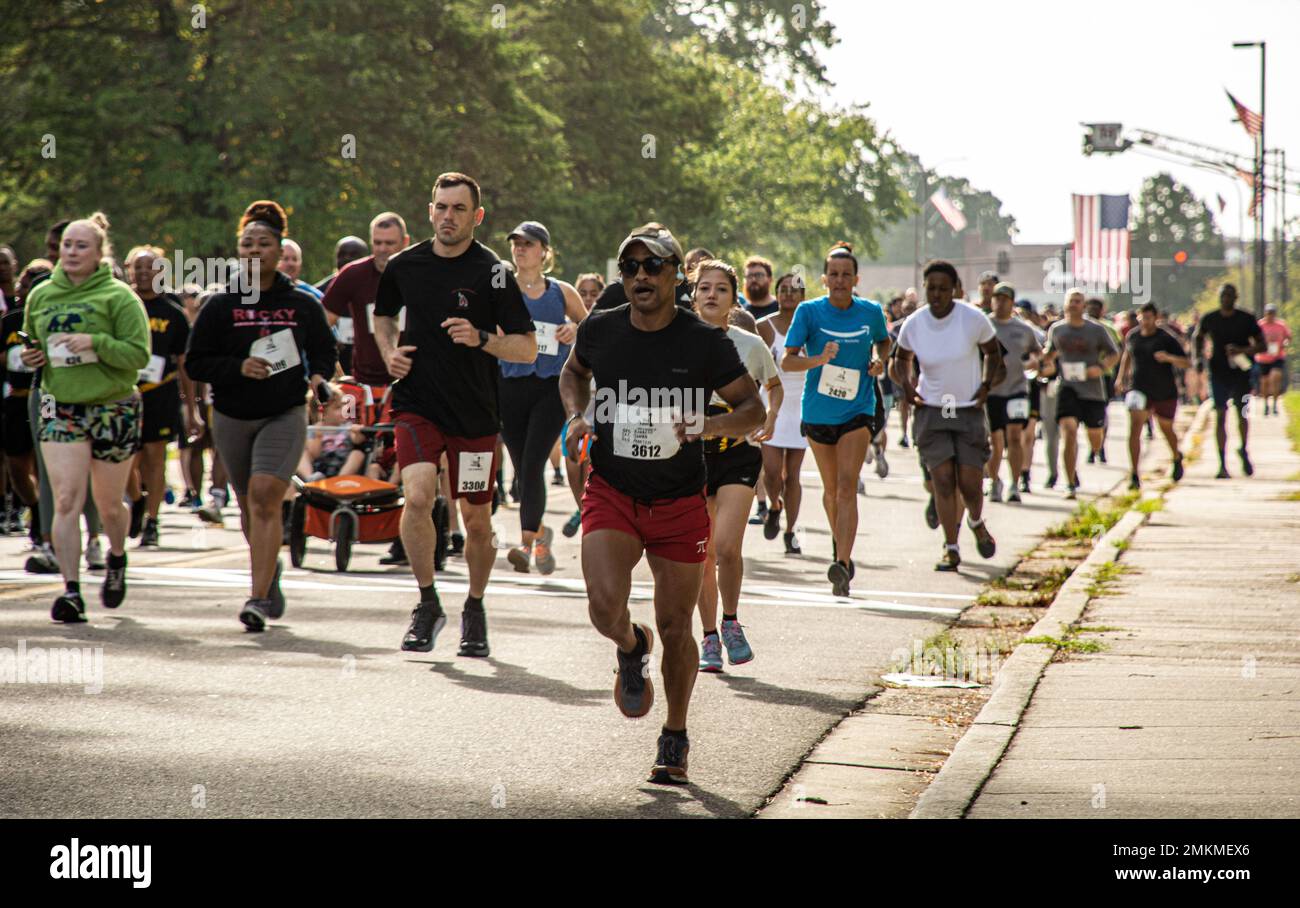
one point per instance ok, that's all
(547, 344)
(1074, 371)
(1018, 408)
(1135, 400)
(646, 433)
(370, 318)
(839, 382)
(153, 373)
(14, 360)
(1275, 348)
(60, 356)
(279, 349)
(344, 331)
(474, 469)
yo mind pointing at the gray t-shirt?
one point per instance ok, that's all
(1079, 348)
(1018, 340)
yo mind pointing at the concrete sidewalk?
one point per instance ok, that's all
(1193, 708)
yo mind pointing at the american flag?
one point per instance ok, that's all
(948, 211)
(1101, 239)
(1253, 122)
(1256, 191)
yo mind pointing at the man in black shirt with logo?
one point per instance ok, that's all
(464, 311)
(655, 367)
(1236, 338)
(1146, 379)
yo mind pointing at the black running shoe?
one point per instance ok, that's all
(427, 621)
(113, 592)
(149, 535)
(1101, 454)
(670, 760)
(473, 633)
(984, 542)
(458, 543)
(1246, 466)
(1223, 473)
(792, 544)
(1051, 481)
(254, 614)
(1134, 482)
(69, 609)
(949, 561)
(634, 693)
(396, 554)
(772, 523)
(1024, 481)
(138, 509)
(1177, 473)
(1092, 457)
(932, 515)
(274, 595)
(838, 575)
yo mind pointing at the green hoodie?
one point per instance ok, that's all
(110, 312)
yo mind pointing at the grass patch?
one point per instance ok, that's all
(1291, 496)
(1121, 547)
(1069, 644)
(1090, 520)
(1100, 629)
(1150, 505)
(1292, 401)
(1104, 577)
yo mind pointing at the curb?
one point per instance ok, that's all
(981, 748)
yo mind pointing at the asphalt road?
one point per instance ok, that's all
(323, 715)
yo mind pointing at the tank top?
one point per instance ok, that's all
(791, 382)
(547, 312)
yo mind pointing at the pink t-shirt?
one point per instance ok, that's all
(1275, 334)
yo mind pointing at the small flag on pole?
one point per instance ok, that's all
(1249, 179)
(1253, 122)
(948, 211)
(1222, 203)
(1101, 239)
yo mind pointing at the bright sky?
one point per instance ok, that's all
(1002, 105)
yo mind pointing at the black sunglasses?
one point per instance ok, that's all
(652, 265)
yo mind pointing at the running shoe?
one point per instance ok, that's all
(69, 609)
(1024, 481)
(1092, 457)
(274, 595)
(760, 514)
(792, 544)
(557, 479)
(838, 575)
(1134, 482)
(634, 692)
(1177, 472)
(149, 534)
(711, 654)
(1101, 454)
(396, 554)
(862, 486)
(1223, 473)
(1071, 492)
(542, 555)
(473, 633)
(458, 543)
(1051, 481)
(427, 621)
(984, 541)
(772, 523)
(191, 502)
(138, 508)
(95, 555)
(995, 490)
(254, 614)
(932, 514)
(520, 556)
(169, 497)
(572, 525)
(1013, 497)
(212, 514)
(113, 591)
(670, 761)
(870, 454)
(43, 562)
(950, 560)
(738, 649)
(1246, 466)
(882, 465)
(904, 443)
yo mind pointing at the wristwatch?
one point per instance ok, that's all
(483, 337)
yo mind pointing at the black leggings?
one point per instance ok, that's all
(531, 419)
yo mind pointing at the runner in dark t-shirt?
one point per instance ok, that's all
(1236, 337)
(655, 368)
(464, 314)
(1146, 373)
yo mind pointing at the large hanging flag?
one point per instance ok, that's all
(1101, 240)
(1251, 121)
(948, 211)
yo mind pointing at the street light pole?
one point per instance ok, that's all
(1261, 260)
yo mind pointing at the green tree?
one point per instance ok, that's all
(1170, 219)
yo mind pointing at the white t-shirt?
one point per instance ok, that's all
(947, 351)
(755, 355)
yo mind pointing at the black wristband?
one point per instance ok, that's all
(483, 337)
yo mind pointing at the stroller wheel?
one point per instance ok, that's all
(442, 536)
(345, 534)
(297, 533)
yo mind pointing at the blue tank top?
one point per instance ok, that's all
(546, 310)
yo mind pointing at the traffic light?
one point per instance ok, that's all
(1180, 265)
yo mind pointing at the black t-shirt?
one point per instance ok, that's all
(764, 310)
(169, 330)
(1237, 328)
(1154, 379)
(614, 296)
(452, 385)
(641, 376)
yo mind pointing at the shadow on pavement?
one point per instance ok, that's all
(519, 681)
(667, 803)
(753, 689)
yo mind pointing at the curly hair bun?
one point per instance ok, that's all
(268, 212)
